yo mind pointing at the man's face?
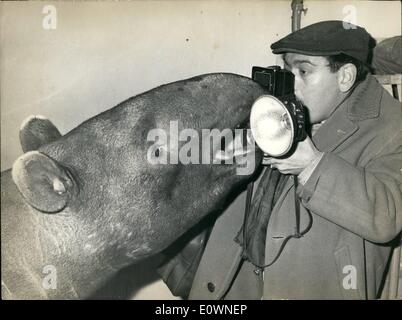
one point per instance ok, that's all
(315, 85)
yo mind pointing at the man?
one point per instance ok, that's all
(349, 186)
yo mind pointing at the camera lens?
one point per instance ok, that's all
(286, 122)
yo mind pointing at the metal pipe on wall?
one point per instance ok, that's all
(297, 9)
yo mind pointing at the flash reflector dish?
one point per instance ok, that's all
(271, 125)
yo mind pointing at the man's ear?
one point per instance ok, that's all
(43, 182)
(37, 131)
(347, 77)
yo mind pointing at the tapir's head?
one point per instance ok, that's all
(135, 178)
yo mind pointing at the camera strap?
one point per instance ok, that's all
(297, 209)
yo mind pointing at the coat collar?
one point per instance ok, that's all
(335, 130)
(362, 104)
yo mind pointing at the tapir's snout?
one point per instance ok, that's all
(241, 144)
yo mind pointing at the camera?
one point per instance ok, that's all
(277, 120)
(279, 82)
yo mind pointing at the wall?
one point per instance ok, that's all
(102, 53)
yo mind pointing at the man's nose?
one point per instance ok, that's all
(297, 88)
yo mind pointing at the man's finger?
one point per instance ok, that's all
(269, 161)
(266, 161)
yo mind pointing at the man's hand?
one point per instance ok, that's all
(305, 154)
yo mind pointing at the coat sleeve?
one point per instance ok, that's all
(364, 200)
(180, 267)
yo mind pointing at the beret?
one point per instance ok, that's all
(328, 38)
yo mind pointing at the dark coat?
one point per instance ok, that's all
(354, 197)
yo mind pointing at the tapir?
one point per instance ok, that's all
(77, 208)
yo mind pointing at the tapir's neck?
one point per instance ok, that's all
(82, 261)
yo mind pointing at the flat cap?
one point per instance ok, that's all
(328, 38)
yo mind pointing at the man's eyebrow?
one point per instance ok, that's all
(298, 61)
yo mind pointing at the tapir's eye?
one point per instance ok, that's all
(159, 151)
(157, 154)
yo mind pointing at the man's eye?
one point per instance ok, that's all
(303, 73)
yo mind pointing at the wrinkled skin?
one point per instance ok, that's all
(89, 203)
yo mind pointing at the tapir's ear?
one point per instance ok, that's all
(37, 131)
(43, 182)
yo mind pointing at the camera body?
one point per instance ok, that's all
(280, 84)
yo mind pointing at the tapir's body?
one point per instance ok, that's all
(86, 204)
